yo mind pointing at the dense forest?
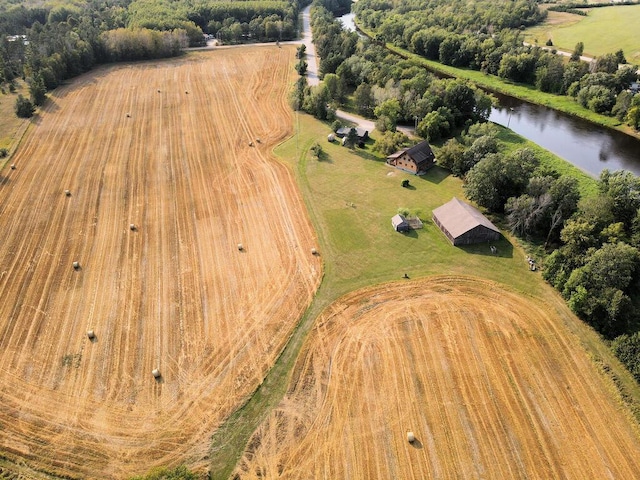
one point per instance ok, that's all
(47, 45)
(485, 35)
(591, 245)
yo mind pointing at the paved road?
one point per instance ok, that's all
(314, 79)
(307, 40)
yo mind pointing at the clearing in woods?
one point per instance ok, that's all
(163, 146)
(492, 383)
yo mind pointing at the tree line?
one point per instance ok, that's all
(384, 87)
(485, 36)
(593, 243)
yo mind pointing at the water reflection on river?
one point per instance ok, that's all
(590, 147)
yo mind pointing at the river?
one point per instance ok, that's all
(590, 147)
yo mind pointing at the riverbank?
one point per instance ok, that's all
(524, 92)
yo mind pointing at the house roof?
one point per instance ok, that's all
(459, 217)
(421, 153)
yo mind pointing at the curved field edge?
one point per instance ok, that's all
(491, 382)
(180, 150)
(528, 93)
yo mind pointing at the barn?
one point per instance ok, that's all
(417, 159)
(463, 224)
(400, 223)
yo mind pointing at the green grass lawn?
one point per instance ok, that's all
(603, 30)
(352, 195)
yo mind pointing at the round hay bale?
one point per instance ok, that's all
(411, 437)
(128, 115)
(156, 373)
(91, 334)
(132, 226)
(331, 137)
(314, 251)
(67, 193)
(76, 265)
(240, 247)
(13, 167)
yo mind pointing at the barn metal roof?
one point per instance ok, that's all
(459, 217)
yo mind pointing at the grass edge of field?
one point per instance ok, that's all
(239, 427)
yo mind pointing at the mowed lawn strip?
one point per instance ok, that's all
(603, 30)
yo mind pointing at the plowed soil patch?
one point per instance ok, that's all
(163, 146)
(492, 385)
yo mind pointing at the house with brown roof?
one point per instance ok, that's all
(417, 159)
(463, 224)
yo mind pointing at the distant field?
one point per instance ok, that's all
(492, 384)
(603, 30)
(164, 146)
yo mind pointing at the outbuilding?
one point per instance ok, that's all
(400, 223)
(463, 224)
(417, 159)
(361, 133)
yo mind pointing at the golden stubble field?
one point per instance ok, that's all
(491, 383)
(163, 146)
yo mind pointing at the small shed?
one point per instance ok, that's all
(400, 223)
(463, 224)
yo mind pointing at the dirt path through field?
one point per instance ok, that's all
(491, 383)
(163, 146)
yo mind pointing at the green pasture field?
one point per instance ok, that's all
(603, 30)
(351, 196)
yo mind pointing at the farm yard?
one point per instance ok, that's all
(491, 383)
(162, 187)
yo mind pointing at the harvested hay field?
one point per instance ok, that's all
(491, 383)
(162, 187)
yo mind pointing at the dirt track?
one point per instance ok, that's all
(491, 383)
(164, 146)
